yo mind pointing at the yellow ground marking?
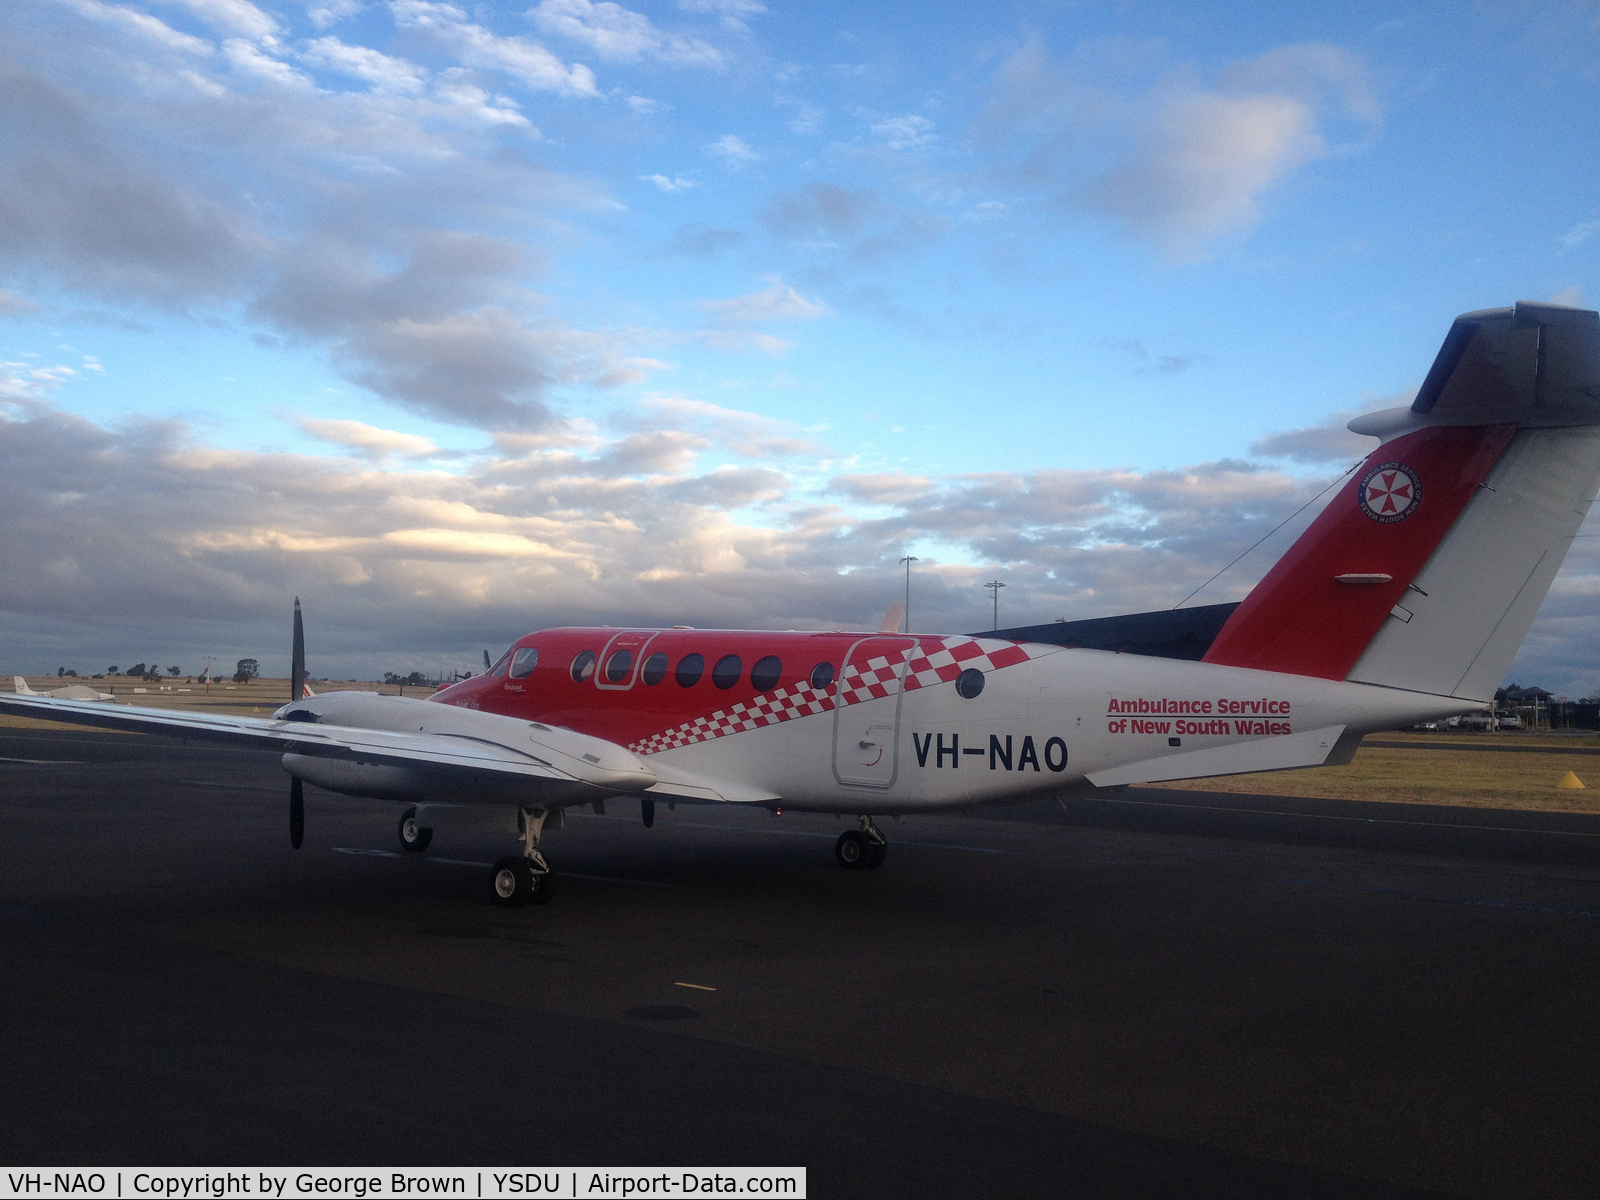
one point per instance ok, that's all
(1570, 780)
(699, 987)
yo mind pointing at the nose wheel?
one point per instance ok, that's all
(863, 848)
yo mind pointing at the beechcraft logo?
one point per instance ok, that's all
(1390, 493)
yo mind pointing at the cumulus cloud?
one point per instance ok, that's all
(668, 183)
(1183, 164)
(142, 533)
(368, 440)
(618, 34)
(734, 151)
(527, 62)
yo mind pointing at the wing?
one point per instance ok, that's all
(429, 762)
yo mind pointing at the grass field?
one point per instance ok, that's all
(1477, 770)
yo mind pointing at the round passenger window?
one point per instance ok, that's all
(969, 684)
(654, 670)
(617, 666)
(690, 668)
(764, 675)
(822, 676)
(727, 671)
(523, 662)
(583, 666)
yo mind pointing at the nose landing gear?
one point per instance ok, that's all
(861, 848)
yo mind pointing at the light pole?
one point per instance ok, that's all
(908, 560)
(994, 586)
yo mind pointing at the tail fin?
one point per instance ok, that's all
(20, 686)
(1427, 568)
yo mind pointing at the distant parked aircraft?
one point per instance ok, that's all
(73, 691)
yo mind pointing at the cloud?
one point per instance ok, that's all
(778, 302)
(905, 133)
(14, 305)
(735, 152)
(141, 25)
(1146, 363)
(527, 62)
(1203, 165)
(331, 12)
(1327, 442)
(238, 17)
(1580, 233)
(668, 183)
(143, 535)
(823, 211)
(368, 440)
(1180, 165)
(733, 12)
(700, 241)
(618, 34)
(383, 72)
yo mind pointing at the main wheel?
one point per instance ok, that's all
(511, 883)
(879, 852)
(412, 835)
(544, 886)
(851, 849)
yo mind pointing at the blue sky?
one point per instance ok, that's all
(463, 320)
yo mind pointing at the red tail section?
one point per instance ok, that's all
(1319, 607)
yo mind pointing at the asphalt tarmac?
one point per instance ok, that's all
(1154, 994)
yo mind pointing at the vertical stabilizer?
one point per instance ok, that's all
(1427, 568)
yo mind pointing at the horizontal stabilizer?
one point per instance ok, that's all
(1308, 749)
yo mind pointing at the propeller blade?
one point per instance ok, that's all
(647, 809)
(297, 814)
(297, 668)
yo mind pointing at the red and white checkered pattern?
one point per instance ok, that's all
(921, 665)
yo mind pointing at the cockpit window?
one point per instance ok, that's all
(500, 667)
(523, 661)
(583, 666)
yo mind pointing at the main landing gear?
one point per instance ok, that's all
(528, 878)
(864, 847)
(413, 836)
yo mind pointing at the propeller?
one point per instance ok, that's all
(647, 809)
(487, 665)
(297, 668)
(297, 814)
(297, 691)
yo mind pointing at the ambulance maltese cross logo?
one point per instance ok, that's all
(1390, 493)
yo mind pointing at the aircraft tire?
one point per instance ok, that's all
(852, 850)
(543, 888)
(510, 882)
(413, 836)
(879, 852)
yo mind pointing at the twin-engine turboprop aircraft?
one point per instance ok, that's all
(1404, 601)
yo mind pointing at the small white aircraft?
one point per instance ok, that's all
(1404, 601)
(73, 691)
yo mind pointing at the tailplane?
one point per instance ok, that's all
(1427, 568)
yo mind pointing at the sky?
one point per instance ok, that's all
(462, 321)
